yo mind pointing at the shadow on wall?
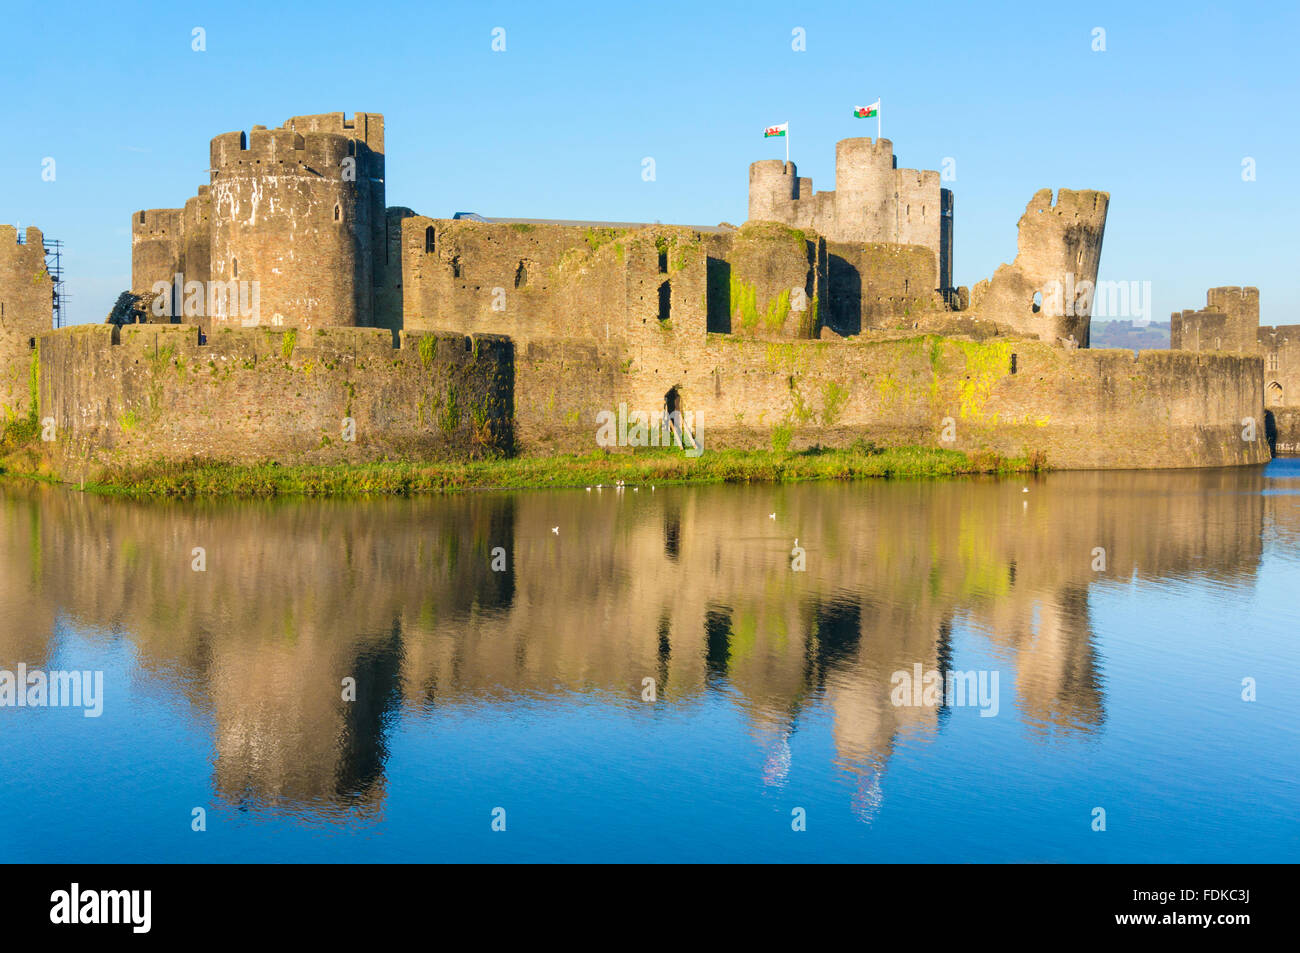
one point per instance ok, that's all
(846, 296)
(718, 296)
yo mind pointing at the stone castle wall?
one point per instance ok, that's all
(1079, 409)
(26, 312)
(1229, 323)
(144, 393)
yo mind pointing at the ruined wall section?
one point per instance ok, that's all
(873, 286)
(1058, 247)
(552, 282)
(26, 312)
(1228, 322)
(776, 281)
(256, 394)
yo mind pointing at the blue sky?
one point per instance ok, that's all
(558, 124)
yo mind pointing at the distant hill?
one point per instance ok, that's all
(1153, 335)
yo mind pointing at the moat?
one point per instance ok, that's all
(687, 673)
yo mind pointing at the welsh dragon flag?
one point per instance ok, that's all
(780, 130)
(867, 112)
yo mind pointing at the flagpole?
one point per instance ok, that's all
(877, 124)
(787, 143)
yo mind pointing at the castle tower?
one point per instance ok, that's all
(865, 206)
(294, 213)
(196, 236)
(157, 246)
(773, 185)
(26, 310)
(367, 132)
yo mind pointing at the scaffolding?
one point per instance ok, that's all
(54, 265)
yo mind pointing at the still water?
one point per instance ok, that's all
(1117, 615)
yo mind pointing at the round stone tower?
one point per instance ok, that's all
(291, 224)
(865, 206)
(772, 187)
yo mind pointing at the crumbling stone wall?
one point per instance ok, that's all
(877, 285)
(552, 281)
(26, 312)
(775, 282)
(1047, 291)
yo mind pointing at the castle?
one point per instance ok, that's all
(286, 302)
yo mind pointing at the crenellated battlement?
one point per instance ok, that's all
(364, 127)
(1086, 205)
(277, 151)
(862, 146)
(156, 223)
(32, 238)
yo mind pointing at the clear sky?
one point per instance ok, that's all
(558, 124)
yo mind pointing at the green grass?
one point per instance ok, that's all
(199, 479)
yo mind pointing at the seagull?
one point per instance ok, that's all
(1025, 490)
(588, 489)
(555, 530)
(771, 516)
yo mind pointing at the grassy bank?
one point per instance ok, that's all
(205, 480)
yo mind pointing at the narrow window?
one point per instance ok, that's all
(234, 267)
(521, 276)
(428, 240)
(337, 212)
(1038, 301)
(665, 301)
(663, 263)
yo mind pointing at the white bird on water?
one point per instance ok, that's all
(771, 516)
(555, 530)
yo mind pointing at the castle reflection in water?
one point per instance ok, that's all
(691, 587)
